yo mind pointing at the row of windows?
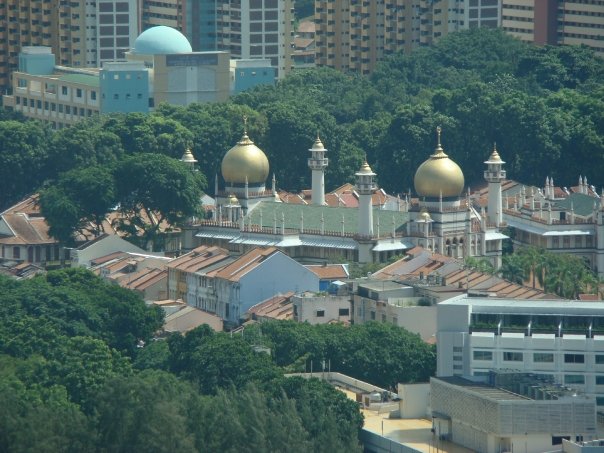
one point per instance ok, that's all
(538, 357)
(53, 106)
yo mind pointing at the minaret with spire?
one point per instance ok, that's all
(365, 187)
(495, 175)
(317, 163)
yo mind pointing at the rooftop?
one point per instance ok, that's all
(82, 79)
(483, 390)
(335, 219)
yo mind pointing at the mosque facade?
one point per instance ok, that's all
(441, 218)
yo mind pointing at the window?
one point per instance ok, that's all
(574, 379)
(543, 357)
(78, 92)
(599, 380)
(512, 357)
(64, 90)
(68, 110)
(483, 355)
(343, 312)
(320, 313)
(93, 95)
(599, 359)
(373, 315)
(600, 400)
(16, 253)
(574, 358)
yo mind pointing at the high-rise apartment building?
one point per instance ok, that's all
(81, 33)
(164, 12)
(353, 35)
(553, 22)
(258, 29)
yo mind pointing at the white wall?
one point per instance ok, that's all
(103, 247)
(415, 400)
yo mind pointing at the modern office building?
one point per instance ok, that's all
(124, 87)
(81, 33)
(159, 68)
(512, 412)
(177, 75)
(249, 73)
(62, 96)
(258, 29)
(561, 340)
(353, 35)
(576, 22)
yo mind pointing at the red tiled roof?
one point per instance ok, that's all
(328, 271)
(245, 263)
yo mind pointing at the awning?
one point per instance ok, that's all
(494, 236)
(218, 235)
(392, 245)
(253, 241)
(331, 244)
(567, 233)
(546, 230)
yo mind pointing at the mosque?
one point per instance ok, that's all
(441, 218)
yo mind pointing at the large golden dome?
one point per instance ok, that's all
(245, 161)
(439, 175)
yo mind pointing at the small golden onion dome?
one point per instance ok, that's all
(188, 157)
(318, 145)
(439, 175)
(233, 201)
(245, 162)
(424, 215)
(365, 169)
(494, 158)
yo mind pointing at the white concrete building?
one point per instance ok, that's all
(496, 418)
(321, 309)
(563, 340)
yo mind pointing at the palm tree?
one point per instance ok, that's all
(512, 269)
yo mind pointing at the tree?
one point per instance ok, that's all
(512, 269)
(79, 203)
(155, 191)
(23, 156)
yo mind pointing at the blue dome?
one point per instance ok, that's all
(161, 40)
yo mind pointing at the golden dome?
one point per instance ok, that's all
(425, 215)
(233, 201)
(439, 175)
(365, 169)
(318, 145)
(188, 157)
(494, 158)
(245, 161)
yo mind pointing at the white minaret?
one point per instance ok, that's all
(365, 188)
(317, 163)
(495, 175)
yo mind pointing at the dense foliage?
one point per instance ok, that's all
(73, 376)
(544, 106)
(557, 273)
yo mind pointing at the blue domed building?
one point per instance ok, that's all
(177, 75)
(161, 40)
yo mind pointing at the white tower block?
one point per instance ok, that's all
(495, 175)
(317, 163)
(365, 187)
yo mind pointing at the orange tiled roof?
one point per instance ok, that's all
(199, 258)
(328, 271)
(244, 264)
